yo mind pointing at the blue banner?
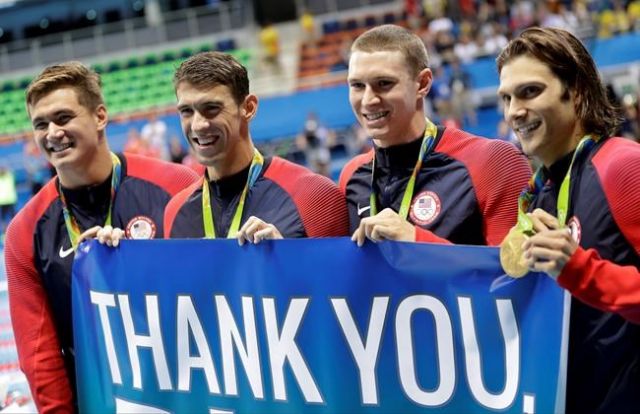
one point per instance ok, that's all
(318, 326)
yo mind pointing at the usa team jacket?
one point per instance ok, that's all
(296, 201)
(39, 256)
(604, 217)
(466, 191)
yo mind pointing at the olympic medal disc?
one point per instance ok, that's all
(512, 255)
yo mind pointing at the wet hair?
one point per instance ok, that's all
(390, 37)
(84, 81)
(210, 69)
(570, 61)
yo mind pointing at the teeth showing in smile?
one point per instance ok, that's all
(205, 140)
(58, 147)
(524, 129)
(376, 116)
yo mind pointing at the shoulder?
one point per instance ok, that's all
(169, 176)
(318, 200)
(617, 164)
(294, 178)
(490, 160)
(176, 203)
(353, 165)
(474, 149)
(181, 197)
(21, 229)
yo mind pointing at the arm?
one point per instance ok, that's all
(601, 283)
(322, 207)
(597, 282)
(34, 329)
(320, 204)
(504, 174)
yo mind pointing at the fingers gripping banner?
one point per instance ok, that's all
(317, 326)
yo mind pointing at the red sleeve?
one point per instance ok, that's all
(170, 176)
(425, 236)
(499, 177)
(321, 205)
(33, 326)
(499, 172)
(602, 283)
(174, 205)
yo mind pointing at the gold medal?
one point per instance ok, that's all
(512, 255)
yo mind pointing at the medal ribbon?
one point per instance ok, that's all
(207, 214)
(537, 181)
(73, 229)
(428, 142)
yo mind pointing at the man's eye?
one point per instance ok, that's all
(356, 85)
(530, 91)
(184, 112)
(506, 99)
(40, 126)
(385, 83)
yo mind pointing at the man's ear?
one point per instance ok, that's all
(102, 118)
(249, 107)
(425, 79)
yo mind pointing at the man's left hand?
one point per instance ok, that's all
(386, 225)
(549, 251)
(255, 230)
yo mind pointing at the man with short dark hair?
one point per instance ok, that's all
(94, 187)
(243, 195)
(580, 217)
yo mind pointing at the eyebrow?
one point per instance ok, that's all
(520, 86)
(215, 102)
(55, 114)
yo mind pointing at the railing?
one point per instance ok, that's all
(125, 36)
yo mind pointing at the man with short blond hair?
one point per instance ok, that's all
(421, 182)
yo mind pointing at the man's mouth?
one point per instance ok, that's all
(527, 128)
(58, 147)
(374, 116)
(205, 141)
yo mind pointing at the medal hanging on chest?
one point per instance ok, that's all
(511, 249)
(73, 228)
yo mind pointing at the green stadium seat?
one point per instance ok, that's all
(114, 66)
(169, 56)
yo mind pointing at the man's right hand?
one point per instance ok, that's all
(108, 235)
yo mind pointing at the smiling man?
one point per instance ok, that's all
(93, 187)
(243, 195)
(584, 210)
(421, 182)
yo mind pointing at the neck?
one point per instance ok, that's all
(414, 129)
(93, 171)
(234, 162)
(569, 146)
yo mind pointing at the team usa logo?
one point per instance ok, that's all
(425, 208)
(140, 228)
(575, 228)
